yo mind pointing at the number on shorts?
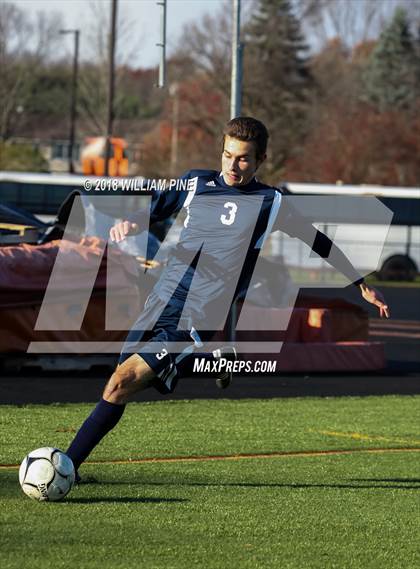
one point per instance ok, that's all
(162, 354)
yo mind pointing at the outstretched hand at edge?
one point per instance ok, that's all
(375, 297)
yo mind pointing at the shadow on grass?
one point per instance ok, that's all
(409, 484)
(351, 484)
(402, 480)
(122, 500)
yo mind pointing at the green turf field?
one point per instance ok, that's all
(352, 510)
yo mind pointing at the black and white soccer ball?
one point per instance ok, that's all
(46, 474)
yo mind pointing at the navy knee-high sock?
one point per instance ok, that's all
(102, 419)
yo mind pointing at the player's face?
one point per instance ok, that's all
(239, 161)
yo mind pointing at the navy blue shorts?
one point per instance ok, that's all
(152, 344)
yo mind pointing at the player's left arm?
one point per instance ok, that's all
(375, 297)
(295, 224)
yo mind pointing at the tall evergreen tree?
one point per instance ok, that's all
(277, 80)
(393, 71)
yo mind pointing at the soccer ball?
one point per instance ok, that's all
(46, 474)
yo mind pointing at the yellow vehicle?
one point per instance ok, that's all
(93, 157)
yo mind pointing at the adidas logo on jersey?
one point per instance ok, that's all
(211, 183)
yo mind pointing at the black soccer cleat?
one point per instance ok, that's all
(229, 353)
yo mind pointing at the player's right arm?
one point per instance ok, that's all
(122, 229)
(163, 205)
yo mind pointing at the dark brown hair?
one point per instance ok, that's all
(248, 129)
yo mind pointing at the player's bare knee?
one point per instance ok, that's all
(127, 379)
(112, 391)
(121, 382)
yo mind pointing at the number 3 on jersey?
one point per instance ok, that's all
(230, 217)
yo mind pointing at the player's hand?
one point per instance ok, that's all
(122, 229)
(375, 297)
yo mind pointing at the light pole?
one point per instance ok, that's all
(162, 45)
(174, 93)
(236, 73)
(111, 85)
(73, 103)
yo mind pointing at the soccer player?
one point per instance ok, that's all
(229, 215)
